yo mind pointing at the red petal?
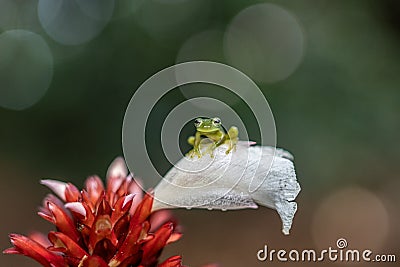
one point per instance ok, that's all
(104, 207)
(123, 189)
(47, 217)
(116, 175)
(138, 227)
(135, 188)
(159, 217)
(95, 188)
(72, 249)
(56, 186)
(34, 250)
(54, 199)
(77, 209)
(72, 193)
(11, 251)
(153, 248)
(81, 211)
(174, 261)
(121, 228)
(143, 210)
(44, 209)
(121, 207)
(117, 169)
(174, 237)
(40, 238)
(130, 246)
(63, 222)
(86, 199)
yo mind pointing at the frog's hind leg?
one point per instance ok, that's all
(210, 149)
(233, 134)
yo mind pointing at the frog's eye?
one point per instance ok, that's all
(197, 122)
(217, 121)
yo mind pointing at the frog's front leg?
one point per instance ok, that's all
(233, 135)
(214, 145)
(211, 148)
(195, 142)
(190, 140)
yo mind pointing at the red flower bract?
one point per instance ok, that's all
(100, 226)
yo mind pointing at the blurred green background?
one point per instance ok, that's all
(329, 69)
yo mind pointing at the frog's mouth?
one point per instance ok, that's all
(208, 129)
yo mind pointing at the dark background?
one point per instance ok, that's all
(337, 112)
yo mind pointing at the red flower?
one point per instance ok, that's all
(100, 226)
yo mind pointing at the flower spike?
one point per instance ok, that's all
(98, 226)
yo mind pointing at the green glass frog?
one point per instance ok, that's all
(212, 129)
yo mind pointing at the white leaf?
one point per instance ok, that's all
(246, 177)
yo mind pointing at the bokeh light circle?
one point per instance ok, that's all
(153, 89)
(164, 20)
(26, 69)
(19, 15)
(205, 45)
(74, 22)
(353, 213)
(8, 13)
(266, 42)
